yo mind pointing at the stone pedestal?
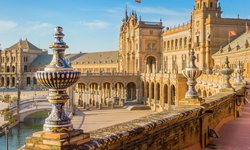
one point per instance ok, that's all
(60, 141)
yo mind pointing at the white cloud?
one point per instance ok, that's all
(7, 25)
(96, 24)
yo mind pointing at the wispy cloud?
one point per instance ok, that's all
(7, 25)
(96, 24)
(41, 25)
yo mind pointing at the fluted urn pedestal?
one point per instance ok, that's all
(58, 132)
(191, 73)
(226, 71)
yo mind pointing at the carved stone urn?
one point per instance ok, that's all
(191, 73)
(226, 71)
(57, 77)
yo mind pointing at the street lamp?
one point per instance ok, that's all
(6, 131)
(18, 98)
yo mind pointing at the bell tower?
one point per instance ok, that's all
(204, 12)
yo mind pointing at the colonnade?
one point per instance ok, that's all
(105, 94)
(156, 94)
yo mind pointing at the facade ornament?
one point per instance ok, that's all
(191, 73)
(237, 46)
(57, 77)
(229, 48)
(226, 71)
(239, 70)
(247, 44)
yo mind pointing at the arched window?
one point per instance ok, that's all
(8, 69)
(180, 42)
(176, 43)
(185, 42)
(13, 69)
(25, 69)
(151, 64)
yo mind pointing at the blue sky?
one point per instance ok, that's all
(92, 25)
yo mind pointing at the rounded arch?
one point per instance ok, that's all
(173, 94)
(131, 91)
(13, 69)
(209, 94)
(13, 81)
(165, 94)
(119, 89)
(151, 64)
(81, 87)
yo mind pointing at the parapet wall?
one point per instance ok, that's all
(183, 128)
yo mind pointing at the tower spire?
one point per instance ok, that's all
(126, 13)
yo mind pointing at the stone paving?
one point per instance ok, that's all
(97, 119)
(234, 135)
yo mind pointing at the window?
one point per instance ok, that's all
(25, 68)
(164, 45)
(211, 4)
(8, 69)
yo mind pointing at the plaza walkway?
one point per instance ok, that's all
(234, 135)
(97, 119)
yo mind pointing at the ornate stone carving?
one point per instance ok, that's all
(191, 73)
(57, 77)
(226, 71)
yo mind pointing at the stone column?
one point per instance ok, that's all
(156, 67)
(150, 94)
(112, 95)
(125, 95)
(155, 96)
(169, 98)
(137, 95)
(145, 94)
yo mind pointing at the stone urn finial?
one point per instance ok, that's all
(226, 72)
(191, 73)
(57, 77)
(239, 70)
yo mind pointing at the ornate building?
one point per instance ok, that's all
(156, 56)
(147, 68)
(16, 63)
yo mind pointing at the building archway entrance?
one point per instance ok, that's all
(131, 91)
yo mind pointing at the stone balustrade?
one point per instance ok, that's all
(185, 127)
